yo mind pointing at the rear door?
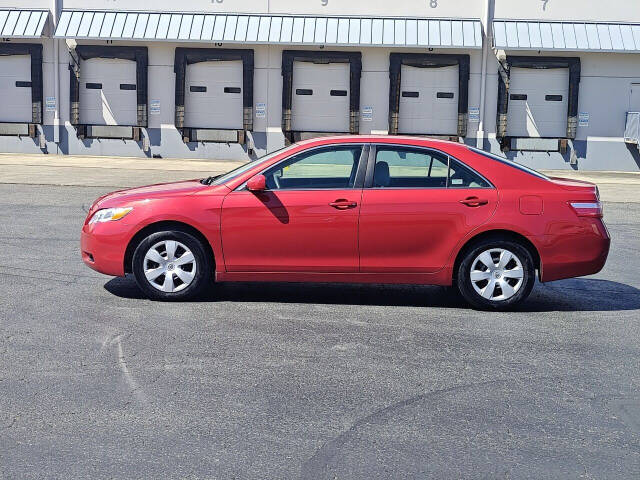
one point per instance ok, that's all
(416, 206)
(307, 220)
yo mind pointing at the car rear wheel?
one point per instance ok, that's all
(496, 274)
(171, 265)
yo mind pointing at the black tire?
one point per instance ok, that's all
(466, 286)
(202, 264)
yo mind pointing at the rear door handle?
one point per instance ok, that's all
(343, 204)
(474, 201)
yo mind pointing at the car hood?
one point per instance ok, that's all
(160, 190)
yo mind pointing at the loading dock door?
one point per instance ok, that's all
(429, 100)
(320, 100)
(15, 89)
(634, 101)
(538, 102)
(213, 95)
(108, 92)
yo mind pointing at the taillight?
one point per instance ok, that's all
(587, 209)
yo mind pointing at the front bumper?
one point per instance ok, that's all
(103, 247)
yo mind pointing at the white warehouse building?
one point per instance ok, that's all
(554, 84)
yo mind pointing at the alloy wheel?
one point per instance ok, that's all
(169, 266)
(497, 274)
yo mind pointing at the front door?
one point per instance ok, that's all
(419, 205)
(307, 220)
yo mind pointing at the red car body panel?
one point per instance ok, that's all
(290, 231)
(414, 230)
(387, 236)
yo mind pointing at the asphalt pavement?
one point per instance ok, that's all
(291, 381)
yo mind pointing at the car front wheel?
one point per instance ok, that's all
(171, 265)
(496, 274)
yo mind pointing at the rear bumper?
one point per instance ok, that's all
(103, 248)
(578, 252)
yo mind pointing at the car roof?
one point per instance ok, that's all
(397, 139)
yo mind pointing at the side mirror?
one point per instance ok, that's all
(257, 183)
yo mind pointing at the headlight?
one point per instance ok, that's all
(110, 214)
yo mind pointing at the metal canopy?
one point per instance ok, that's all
(268, 29)
(568, 36)
(22, 23)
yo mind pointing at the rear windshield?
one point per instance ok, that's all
(511, 163)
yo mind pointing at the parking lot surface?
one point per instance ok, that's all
(288, 381)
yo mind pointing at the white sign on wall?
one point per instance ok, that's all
(583, 119)
(474, 115)
(261, 110)
(50, 103)
(367, 114)
(154, 107)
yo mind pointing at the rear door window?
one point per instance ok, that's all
(402, 167)
(461, 176)
(407, 167)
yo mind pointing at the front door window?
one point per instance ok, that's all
(323, 168)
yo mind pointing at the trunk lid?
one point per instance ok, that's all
(578, 186)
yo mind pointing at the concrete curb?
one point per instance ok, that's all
(124, 172)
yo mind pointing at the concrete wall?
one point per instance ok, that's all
(588, 10)
(165, 139)
(401, 8)
(604, 89)
(580, 10)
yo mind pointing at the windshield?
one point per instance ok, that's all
(246, 167)
(511, 163)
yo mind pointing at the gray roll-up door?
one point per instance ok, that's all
(538, 102)
(320, 97)
(108, 92)
(15, 89)
(214, 96)
(429, 100)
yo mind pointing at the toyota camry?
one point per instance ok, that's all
(360, 209)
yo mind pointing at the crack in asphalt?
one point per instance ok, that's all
(47, 275)
(34, 277)
(38, 270)
(316, 466)
(13, 422)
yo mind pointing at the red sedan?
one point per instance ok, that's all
(361, 209)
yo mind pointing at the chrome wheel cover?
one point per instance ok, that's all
(169, 266)
(497, 274)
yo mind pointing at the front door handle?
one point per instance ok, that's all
(474, 201)
(343, 204)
